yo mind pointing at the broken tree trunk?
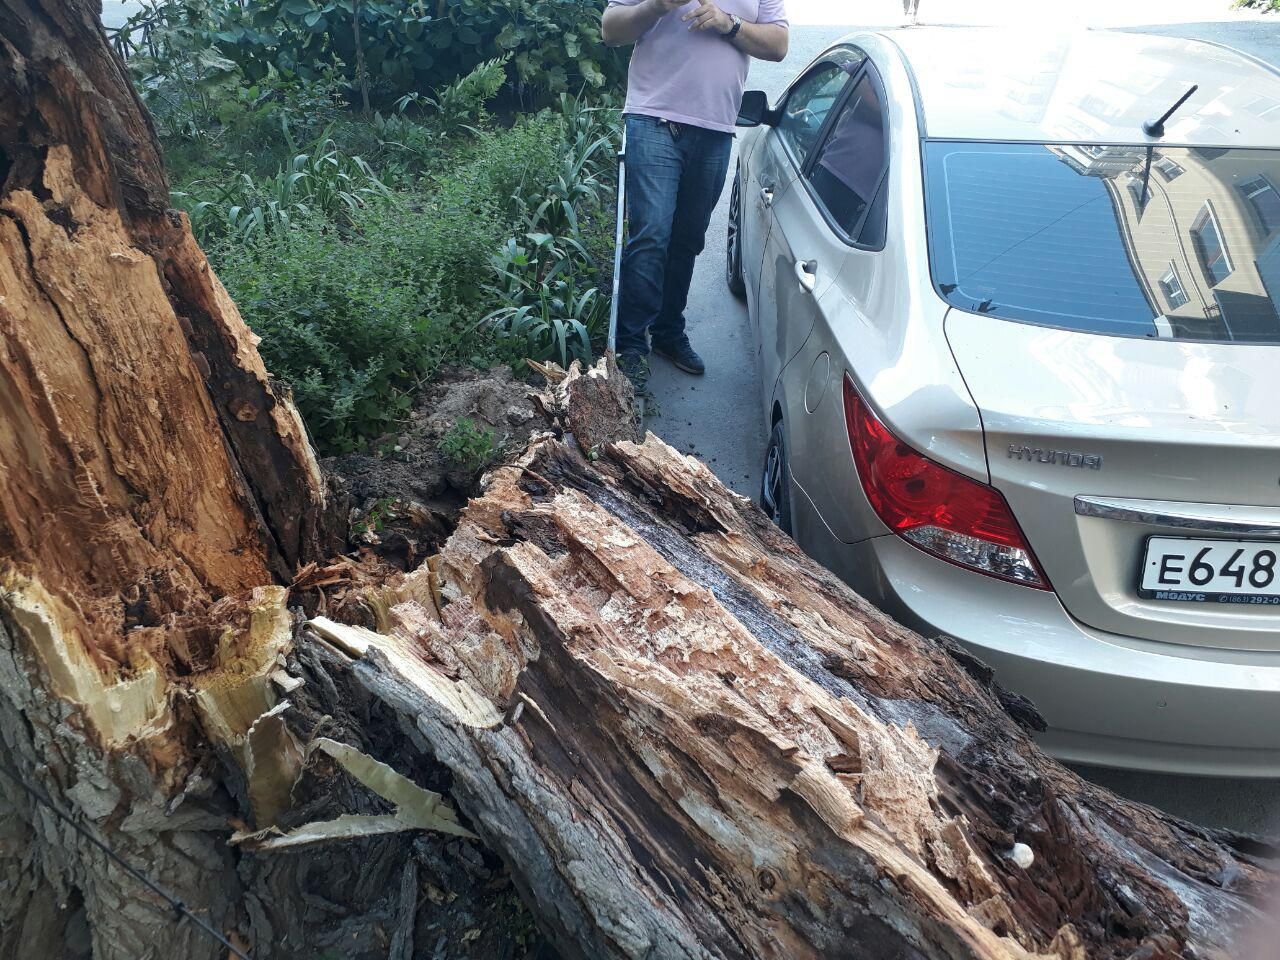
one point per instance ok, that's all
(685, 739)
(148, 470)
(690, 741)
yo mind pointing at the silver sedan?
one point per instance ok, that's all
(1015, 300)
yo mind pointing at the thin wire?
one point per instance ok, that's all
(178, 907)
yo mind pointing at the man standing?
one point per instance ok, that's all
(684, 88)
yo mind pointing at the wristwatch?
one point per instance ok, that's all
(737, 25)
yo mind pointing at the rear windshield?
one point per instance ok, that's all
(1181, 244)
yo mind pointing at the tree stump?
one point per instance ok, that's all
(152, 479)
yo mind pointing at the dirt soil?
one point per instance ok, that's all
(406, 492)
(406, 495)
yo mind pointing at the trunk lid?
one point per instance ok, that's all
(1100, 442)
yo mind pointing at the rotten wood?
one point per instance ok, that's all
(711, 748)
(127, 377)
(684, 738)
(154, 483)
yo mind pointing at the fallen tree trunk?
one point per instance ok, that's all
(690, 741)
(684, 738)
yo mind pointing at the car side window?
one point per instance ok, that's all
(810, 101)
(847, 173)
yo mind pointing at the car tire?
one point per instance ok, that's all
(775, 484)
(733, 245)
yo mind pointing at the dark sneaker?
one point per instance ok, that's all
(635, 367)
(682, 354)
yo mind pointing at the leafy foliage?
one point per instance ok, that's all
(348, 335)
(325, 182)
(375, 519)
(358, 305)
(354, 324)
(461, 104)
(550, 314)
(368, 247)
(554, 45)
(467, 445)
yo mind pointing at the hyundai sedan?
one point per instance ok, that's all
(1015, 305)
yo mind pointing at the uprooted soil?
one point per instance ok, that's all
(426, 895)
(406, 495)
(406, 491)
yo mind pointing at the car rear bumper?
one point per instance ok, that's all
(1109, 701)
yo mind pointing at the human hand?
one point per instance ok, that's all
(708, 17)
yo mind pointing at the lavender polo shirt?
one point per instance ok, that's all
(693, 77)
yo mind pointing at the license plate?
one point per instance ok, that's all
(1211, 571)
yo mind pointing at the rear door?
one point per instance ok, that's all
(828, 260)
(808, 108)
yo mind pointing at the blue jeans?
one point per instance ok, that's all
(674, 180)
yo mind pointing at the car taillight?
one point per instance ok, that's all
(938, 510)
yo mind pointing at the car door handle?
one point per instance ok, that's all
(807, 274)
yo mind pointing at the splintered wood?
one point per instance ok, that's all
(686, 740)
(152, 480)
(711, 748)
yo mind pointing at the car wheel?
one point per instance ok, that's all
(775, 489)
(733, 256)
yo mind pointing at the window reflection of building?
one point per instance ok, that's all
(1094, 160)
(1171, 285)
(1264, 107)
(1205, 239)
(1265, 201)
(1028, 79)
(1203, 236)
(1209, 246)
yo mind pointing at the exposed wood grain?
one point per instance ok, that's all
(152, 478)
(712, 748)
(146, 453)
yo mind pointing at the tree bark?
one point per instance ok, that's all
(690, 741)
(684, 738)
(151, 477)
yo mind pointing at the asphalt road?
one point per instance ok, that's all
(719, 417)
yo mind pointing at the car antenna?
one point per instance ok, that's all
(1155, 128)
(1146, 178)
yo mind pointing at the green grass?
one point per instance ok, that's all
(359, 302)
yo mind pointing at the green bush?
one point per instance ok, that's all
(325, 183)
(347, 331)
(467, 445)
(554, 45)
(354, 323)
(281, 109)
(367, 248)
(354, 315)
(507, 166)
(460, 105)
